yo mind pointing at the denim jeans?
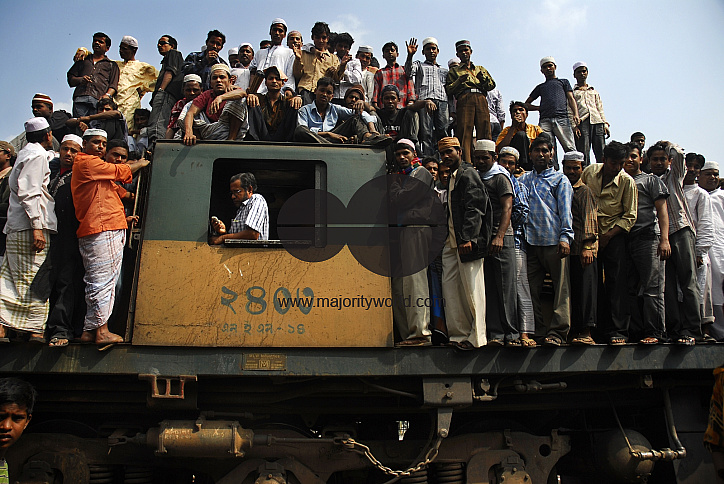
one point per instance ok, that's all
(559, 128)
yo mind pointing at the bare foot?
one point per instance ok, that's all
(88, 337)
(108, 338)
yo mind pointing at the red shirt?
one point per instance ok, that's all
(396, 76)
(204, 101)
(96, 196)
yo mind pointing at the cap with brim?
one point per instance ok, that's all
(192, 78)
(36, 124)
(509, 150)
(710, 165)
(546, 60)
(43, 98)
(278, 71)
(365, 48)
(74, 138)
(578, 64)
(128, 40)
(357, 87)
(221, 67)
(574, 155)
(453, 61)
(448, 142)
(280, 21)
(485, 145)
(5, 146)
(429, 40)
(406, 143)
(95, 132)
(461, 43)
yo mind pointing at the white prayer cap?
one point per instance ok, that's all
(579, 64)
(94, 132)
(406, 142)
(453, 61)
(233, 51)
(280, 21)
(241, 46)
(365, 48)
(546, 60)
(221, 67)
(128, 40)
(429, 40)
(710, 165)
(509, 150)
(36, 124)
(485, 145)
(192, 78)
(574, 155)
(74, 138)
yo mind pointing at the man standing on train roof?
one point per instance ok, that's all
(168, 88)
(102, 226)
(24, 274)
(94, 77)
(252, 219)
(201, 63)
(463, 282)
(469, 84)
(276, 55)
(709, 181)
(411, 321)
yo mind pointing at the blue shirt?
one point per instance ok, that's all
(309, 116)
(553, 99)
(519, 217)
(550, 219)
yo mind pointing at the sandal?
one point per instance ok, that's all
(528, 342)
(464, 346)
(649, 340)
(617, 341)
(552, 341)
(416, 341)
(496, 342)
(583, 340)
(514, 343)
(686, 341)
(36, 339)
(57, 342)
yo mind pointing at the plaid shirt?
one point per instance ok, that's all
(585, 219)
(429, 80)
(550, 220)
(394, 75)
(253, 214)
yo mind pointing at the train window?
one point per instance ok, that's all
(277, 181)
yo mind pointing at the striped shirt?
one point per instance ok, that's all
(550, 219)
(253, 214)
(429, 80)
(4, 478)
(585, 219)
(678, 210)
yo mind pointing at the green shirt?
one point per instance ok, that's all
(4, 478)
(472, 82)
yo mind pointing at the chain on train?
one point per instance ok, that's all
(354, 446)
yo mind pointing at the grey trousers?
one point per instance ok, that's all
(542, 259)
(685, 319)
(645, 286)
(592, 136)
(411, 305)
(500, 292)
(524, 309)
(160, 113)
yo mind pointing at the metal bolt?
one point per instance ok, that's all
(443, 433)
(448, 394)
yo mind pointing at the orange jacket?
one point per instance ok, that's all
(96, 196)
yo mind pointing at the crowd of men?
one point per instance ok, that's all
(627, 242)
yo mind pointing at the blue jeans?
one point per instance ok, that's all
(559, 128)
(84, 106)
(592, 136)
(433, 127)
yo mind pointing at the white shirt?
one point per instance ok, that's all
(243, 77)
(352, 75)
(30, 205)
(279, 56)
(699, 204)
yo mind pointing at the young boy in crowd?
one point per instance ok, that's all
(17, 399)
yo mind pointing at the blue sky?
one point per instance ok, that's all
(654, 62)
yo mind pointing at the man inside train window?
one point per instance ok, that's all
(252, 219)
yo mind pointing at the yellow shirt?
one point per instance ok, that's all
(617, 201)
(312, 67)
(135, 75)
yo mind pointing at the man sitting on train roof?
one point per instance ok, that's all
(324, 122)
(217, 114)
(191, 90)
(103, 225)
(271, 116)
(252, 219)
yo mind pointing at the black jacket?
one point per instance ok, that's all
(471, 212)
